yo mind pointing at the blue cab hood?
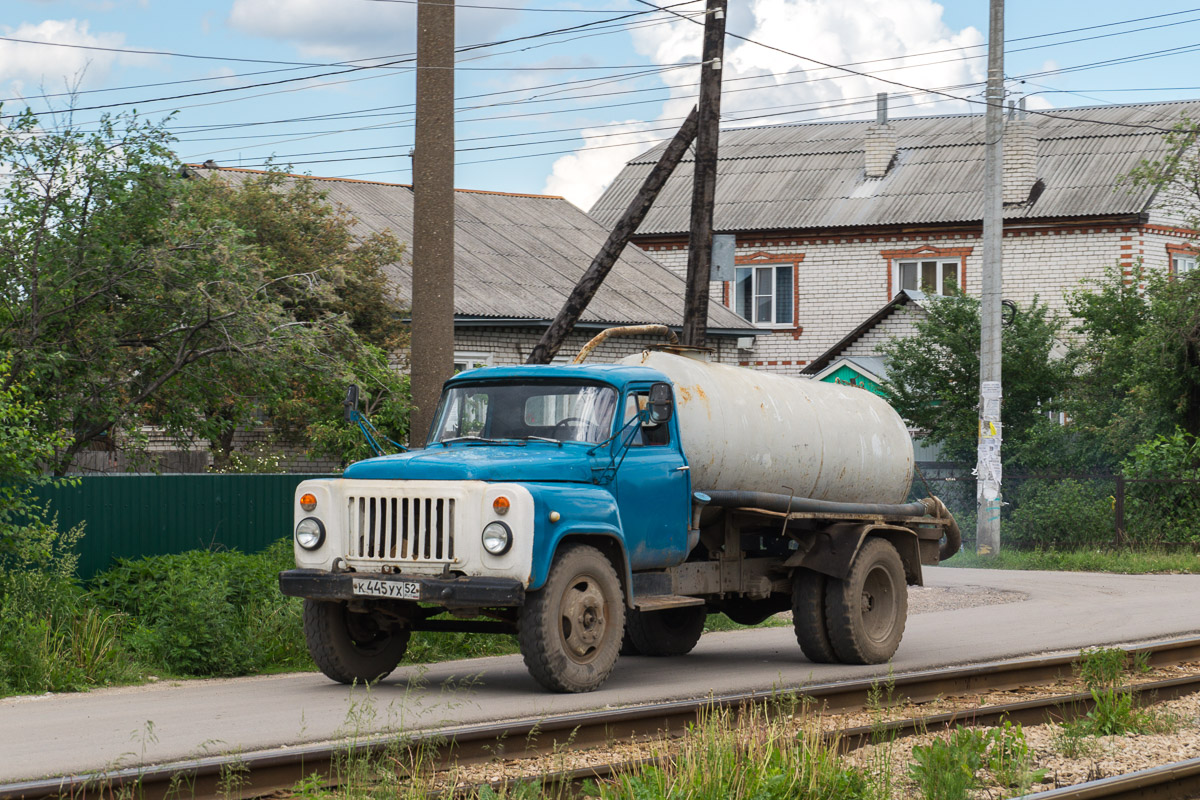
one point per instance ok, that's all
(463, 461)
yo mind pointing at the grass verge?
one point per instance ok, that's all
(1118, 561)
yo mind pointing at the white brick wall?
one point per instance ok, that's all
(843, 280)
(511, 346)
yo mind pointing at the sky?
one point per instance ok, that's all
(560, 94)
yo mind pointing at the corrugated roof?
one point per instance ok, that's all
(811, 175)
(519, 256)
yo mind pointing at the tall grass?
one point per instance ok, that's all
(747, 755)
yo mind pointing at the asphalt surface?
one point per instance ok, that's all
(104, 729)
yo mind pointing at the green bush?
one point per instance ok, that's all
(208, 613)
(1060, 514)
(53, 637)
(1163, 513)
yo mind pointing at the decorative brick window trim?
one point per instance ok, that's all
(927, 251)
(1179, 249)
(764, 259)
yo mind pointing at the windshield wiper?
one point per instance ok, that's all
(445, 442)
(540, 439)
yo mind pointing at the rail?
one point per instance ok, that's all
(266, 772)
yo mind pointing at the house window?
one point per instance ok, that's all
(1182, 263)
(764, 295)
(938, 276)
(466, 361)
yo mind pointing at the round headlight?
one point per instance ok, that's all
(497, 538)
(310, 533)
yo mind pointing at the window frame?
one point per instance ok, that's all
(753, 268)
(942, 261)
(1178, 258)
(472, 359)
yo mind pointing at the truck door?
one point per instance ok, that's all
(653, 491)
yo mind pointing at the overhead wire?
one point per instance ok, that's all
(407, 59)
(913, 66)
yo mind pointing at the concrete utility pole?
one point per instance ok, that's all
(433, 215)
(602, 264)
(704, 185)
(988, 465)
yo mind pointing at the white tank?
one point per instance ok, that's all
(745, 430)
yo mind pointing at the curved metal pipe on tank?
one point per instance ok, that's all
(745, 430)
(785, 503)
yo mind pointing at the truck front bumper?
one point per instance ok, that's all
(459, 592)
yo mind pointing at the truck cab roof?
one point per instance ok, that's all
(618, 375)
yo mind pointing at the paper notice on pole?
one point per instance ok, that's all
(991, 409)
(990, 390)
(989, 449)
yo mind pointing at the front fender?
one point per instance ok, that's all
(582, 510)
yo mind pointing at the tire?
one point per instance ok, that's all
(628, 648)
(670, 632)
(570, 630)
(866, 612)
(351, 647)
(808, 616)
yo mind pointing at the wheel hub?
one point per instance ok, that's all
(583, 620)
(878, 604)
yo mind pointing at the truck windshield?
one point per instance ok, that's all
(564, 412)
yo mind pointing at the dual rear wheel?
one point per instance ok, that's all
(858, 620)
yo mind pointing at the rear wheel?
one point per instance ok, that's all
(348, 646)
(570, 630)
(808, 616)
(670, 632)
(866, 612)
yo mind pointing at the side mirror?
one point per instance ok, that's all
(661, 403)
(350, 404)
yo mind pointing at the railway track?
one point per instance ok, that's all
(263, 773)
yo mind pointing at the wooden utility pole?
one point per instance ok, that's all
(602, 264)
(988, 465)
(433, 215)
(704, 185)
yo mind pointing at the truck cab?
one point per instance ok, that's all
(522, 465)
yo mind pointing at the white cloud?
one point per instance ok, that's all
(830, 31)
(582, 177)
(30, 67)
(348, 30)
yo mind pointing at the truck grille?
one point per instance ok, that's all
(396, 528)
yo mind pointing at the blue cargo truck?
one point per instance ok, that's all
(597, 510)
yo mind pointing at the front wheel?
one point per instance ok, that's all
(348, 646)
(570, 630)
(866, 612)
(670, 632)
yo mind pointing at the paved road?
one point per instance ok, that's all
(64, 734)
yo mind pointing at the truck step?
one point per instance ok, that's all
(659, 602)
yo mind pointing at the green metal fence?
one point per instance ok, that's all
(128, 516)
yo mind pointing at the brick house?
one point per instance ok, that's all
(517, 258)
(834, 219)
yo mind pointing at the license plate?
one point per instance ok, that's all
(401, 590)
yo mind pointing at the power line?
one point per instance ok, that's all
(408, 59)
(403, 149)
(508, 8)
(935, 91)
(893, 58)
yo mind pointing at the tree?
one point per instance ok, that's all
(933, 377)
(131, 296)
(26, 445)
(1140, 361)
